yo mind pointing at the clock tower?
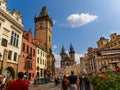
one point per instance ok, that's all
(43, 30)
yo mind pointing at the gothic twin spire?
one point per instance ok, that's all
(71, 49)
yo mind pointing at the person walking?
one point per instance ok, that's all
(65, 83)
(7, 82)
(1, 81)
(36, 81)
(73, 81)
(81, 82)
(18, 84)
(87, 82)
(25, 79)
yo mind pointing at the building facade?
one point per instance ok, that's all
(11, 31)
(27, 62)
(97, 61)
(110, 44)
(41, 63)
(67, 60)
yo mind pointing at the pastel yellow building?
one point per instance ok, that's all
(94, 62)
(41, 63)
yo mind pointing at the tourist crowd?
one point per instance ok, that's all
(74, 82)
(21, 83)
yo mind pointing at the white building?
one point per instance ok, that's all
(41, 63)
(11, 31)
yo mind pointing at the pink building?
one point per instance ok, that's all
(27, 62)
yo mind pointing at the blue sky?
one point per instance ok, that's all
(80, 22)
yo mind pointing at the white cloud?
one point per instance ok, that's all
(77, 20)
(54, 46)
(54, 21)
(58, 59)
(77, 58)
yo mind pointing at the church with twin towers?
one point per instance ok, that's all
(67, 59)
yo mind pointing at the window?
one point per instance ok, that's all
(28, 65)
(34, 52)
(15, 56)
(23, 48)
(32, 74)
(11, 41)
(101, 43)
(27, 49)
(119, 42)
(31, 51)
(9, 54)
(14, 39)
(4, 42)
(43, 61)
(17, 40)
(38, 60)
(49, 38)
(41, 24)
(41, 53)
(38, 51)
(113, 37)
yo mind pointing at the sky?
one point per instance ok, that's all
(77, 22)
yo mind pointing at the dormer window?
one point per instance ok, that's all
(113, 37)
(101, 43)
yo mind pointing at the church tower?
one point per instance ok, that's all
(43, 30)
(67, 59)
(43, 33)
(72, 53)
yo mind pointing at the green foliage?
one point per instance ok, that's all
(108, 81)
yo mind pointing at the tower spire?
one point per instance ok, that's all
(71, 48)
(63, 49)
(44, 12)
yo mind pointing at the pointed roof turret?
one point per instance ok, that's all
(71, 49)
(35, 15)
(44, 12)
(63, 49)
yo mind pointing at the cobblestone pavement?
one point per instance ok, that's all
(48, 86)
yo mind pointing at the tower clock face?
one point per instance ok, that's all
(41, 24)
